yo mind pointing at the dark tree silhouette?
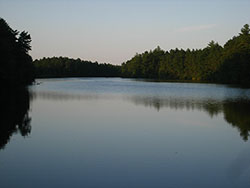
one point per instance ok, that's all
(16, 64)
(24, 41)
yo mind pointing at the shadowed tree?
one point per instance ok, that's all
(24, 41)
(16, 64)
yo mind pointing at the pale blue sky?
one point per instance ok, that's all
(113, 31)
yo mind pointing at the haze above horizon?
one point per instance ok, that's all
(112, 31)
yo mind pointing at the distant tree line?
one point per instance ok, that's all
(16, 64)
(229, 64)
(67, 67)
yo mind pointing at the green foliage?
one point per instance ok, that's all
(228, 64)
(236, 59)
(245, 30)
(145, 65)
(16, 64)
(67, 67)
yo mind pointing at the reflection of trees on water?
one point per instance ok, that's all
(14, 113)
(208, 105)
(62, 96)
(236, 111)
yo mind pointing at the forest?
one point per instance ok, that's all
(16, 64)
(68, 67)
(229, 64)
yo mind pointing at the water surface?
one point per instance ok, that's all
(112, 132)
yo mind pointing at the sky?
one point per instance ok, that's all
(113, 31)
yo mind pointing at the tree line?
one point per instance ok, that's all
(16, 64)
(18, 69)
(229, 64)
(68, 67)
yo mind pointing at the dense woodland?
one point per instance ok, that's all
(67, 67)
(16, 64)
(223, 64)
(227, 64)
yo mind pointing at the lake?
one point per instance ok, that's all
(113, 132)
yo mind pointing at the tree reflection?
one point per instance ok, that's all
(15, 104)
(236, 111)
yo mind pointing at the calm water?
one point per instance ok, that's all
(112, 132)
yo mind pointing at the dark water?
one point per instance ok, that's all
(111, 132)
